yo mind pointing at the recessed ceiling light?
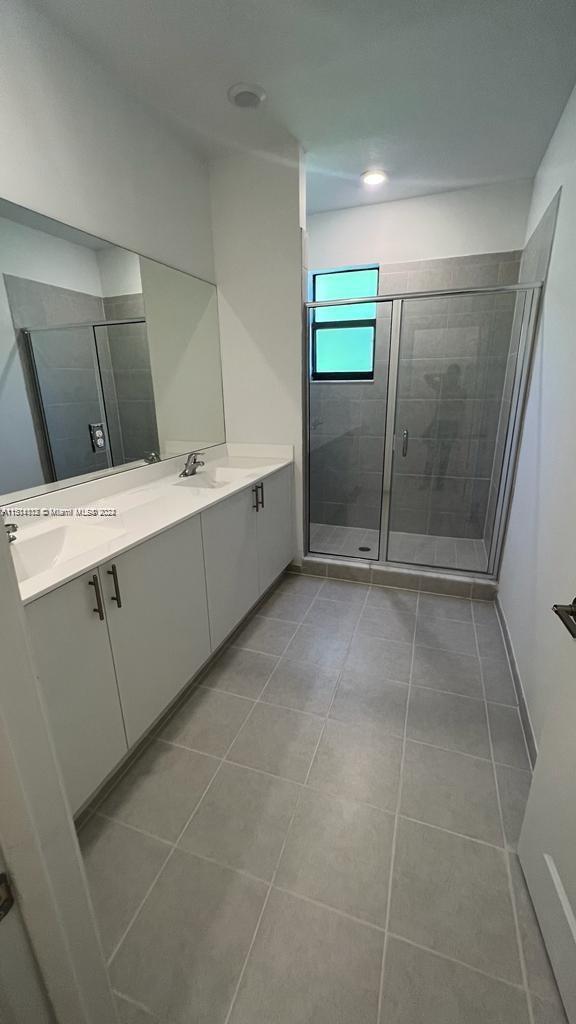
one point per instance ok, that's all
(247, 97)
(374, 177)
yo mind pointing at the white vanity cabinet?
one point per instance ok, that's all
(155, 598)
(248, 541)
(229, 531)
(74, 661)
(274, 526)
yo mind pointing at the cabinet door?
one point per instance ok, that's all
(159, 628)
(231, 558)
(275, 526)
(76, 672)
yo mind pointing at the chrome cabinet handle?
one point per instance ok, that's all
(99, 609)
(261, 489)
(113, 572)
(255, 493)
(405, 436)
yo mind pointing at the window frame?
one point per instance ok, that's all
(316, 326)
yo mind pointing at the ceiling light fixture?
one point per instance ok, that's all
(247, 97)
(374, 177)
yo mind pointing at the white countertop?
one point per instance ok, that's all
(91, 524)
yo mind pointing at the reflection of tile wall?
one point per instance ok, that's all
(454, 355)
(71, 399)
(130, 366)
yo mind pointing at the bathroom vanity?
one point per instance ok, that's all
(125, 609)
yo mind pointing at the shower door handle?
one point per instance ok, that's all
(405, 437)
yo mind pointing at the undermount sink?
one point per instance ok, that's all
(36, 549)
(219, 476)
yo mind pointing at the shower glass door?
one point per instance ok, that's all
(456, 383)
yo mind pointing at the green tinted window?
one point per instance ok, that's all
(343, 336)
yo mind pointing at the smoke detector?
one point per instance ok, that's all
(247, 97)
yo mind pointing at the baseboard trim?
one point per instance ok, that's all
(520, 696)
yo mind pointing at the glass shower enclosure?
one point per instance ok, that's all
(413, 465)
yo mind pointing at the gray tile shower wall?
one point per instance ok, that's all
(347, 424)
(454, 354)
(533, 268)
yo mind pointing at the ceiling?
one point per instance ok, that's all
(441, 93)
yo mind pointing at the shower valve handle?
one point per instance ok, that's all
(405, 436)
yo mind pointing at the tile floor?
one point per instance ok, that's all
(326, 831)
(415, 548)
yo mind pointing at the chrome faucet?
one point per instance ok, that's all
(11, 530)
(192, 466)
(151, 457)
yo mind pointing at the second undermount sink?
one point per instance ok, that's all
(38, 549)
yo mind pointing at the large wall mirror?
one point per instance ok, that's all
(107, 358)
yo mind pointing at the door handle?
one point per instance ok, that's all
(99, 609)
(405, 437)
(260, 486)
(255, 493)
(567, 615)
(113, 572)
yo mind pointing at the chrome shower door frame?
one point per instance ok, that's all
(527, 334)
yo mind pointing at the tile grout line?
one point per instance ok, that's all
(519, 943)
(286, 836)
(396, 821)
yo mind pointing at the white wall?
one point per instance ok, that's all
(257, 244)
(539, 566)
(77, 148)
(491, 218)
(119, 272)
(25, 252)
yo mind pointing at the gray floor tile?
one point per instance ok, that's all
(279, 741)
(388, 624)
(271, 636)
(339, 590)
(435, 606)
(514, 786)
(197, 923)
(243, 819)
(130, 1013)
(282, 605)
(358, 762)
(242, 672)
(319, 646)
(382, 659)
(491, 642)
(498, 682)
(541, 980)
(448, 720)
(394, 600)
(546, 1012)
(507, 736)
(447, 634)
(422, 988)
(120, 867)
(309, 964)
(295, 684)
(484, 612)
(338, 852)
(209, 721)
(333, 615)
(446, 670)
(451, 894)
(161, 789)
(371, 702)
(453, 791)
(296, 583)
